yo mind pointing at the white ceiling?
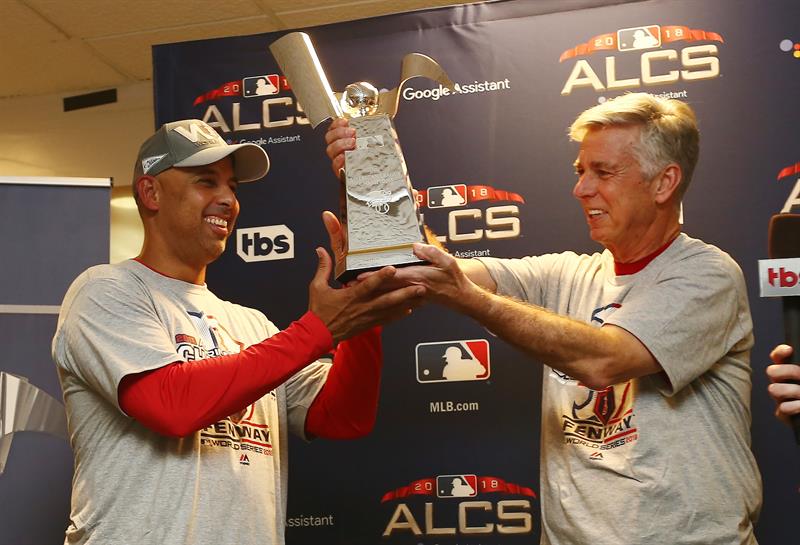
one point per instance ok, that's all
(74, 46)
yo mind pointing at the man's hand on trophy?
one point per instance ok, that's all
(444, 280)
(335, 234)
(340, 137)
(354, 308)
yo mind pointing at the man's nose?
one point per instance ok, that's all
(584, 187)
(226, 196)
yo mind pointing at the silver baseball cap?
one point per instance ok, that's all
(193, 143)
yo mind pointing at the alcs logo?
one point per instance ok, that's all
(469, 517)
(228, 116)
(468, 225)
(267, 243)
(656, 67)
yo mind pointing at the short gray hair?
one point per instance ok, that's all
(669, 131)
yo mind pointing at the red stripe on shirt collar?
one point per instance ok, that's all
(622, 269)
(136, 259)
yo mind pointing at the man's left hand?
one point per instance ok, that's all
(443, 279)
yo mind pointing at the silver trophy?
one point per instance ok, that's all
(380, 218)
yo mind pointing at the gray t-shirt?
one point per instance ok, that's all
(225, 484)
(664, 459)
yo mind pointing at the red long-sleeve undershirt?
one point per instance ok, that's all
(184, 397)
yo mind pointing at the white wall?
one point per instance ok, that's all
(38, 138)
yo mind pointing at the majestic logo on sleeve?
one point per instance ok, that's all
(600, 314)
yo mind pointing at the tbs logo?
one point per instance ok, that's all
(453, 361)
(456, 486)
(779, 277)
(265, 243)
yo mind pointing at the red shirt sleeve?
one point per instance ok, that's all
(184, 397)
(347, 405)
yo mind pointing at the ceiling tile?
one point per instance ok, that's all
(306, 13)
(96, 18)
(52, 68)
(69, 46)
(133, 55)
(19, 24)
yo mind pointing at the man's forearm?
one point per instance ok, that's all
(347, 405)
(597, 357)
(181, 398)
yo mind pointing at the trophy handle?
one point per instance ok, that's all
(414, 65)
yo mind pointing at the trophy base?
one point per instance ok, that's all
(354, 264)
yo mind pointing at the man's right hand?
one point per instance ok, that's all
(354, 308)
(785, 387)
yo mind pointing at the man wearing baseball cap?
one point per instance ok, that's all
(179, 403)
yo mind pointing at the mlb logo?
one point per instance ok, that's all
(447, 196)
(456, 486)
(640, 37)
(453, 361)
(261, 85)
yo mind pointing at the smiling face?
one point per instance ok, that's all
(618, 202)
(197, 209)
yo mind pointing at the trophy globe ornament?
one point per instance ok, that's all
(360, 99)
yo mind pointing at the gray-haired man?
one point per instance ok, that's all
(646, 346)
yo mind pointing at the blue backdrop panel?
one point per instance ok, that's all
(51, 234)
(525, 70)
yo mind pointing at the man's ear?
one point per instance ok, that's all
(147, 189)
(667, 183)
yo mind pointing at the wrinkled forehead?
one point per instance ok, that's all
(609, 145)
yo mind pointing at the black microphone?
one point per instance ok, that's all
(784, 243)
